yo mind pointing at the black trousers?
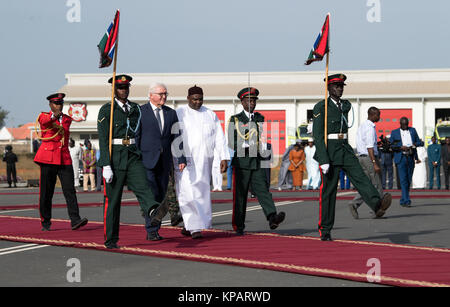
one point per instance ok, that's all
(49, 173)
(11, 173)
(446, 175)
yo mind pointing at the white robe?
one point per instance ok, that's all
(419, 180)
(76, 155)
(312, 167)
(217, 179)
(202, 134)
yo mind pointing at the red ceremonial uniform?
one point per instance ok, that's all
(54, 150)
(55, 162)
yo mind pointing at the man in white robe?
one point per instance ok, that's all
(419, 179)
(76, 155)
(312, 166)
(202, 134)
(217, 179)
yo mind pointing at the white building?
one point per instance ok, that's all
(286, 98)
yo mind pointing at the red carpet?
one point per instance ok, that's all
(224, 201)
(401, 265)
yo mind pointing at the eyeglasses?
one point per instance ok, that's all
(161, 94)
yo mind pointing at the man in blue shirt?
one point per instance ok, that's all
(434, 162)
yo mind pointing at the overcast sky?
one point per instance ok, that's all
(39, 44)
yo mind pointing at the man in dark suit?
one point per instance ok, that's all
(404, 141)
(11, 159)
(387, 169)
(154, 138)
(445, 153)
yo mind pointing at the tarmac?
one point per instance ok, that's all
(426, 223)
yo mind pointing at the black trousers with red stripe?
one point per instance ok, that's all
(328, 191)
(242, 179)
(49, 174)
(134, 176)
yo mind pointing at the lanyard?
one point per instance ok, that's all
(344, 119)
(138, 122)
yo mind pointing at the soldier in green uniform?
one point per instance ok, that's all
(125, 166)
(169, 204)
(337, 154)
(243, 137)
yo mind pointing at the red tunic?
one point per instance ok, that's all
(54, 151)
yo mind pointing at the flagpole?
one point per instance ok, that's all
(326, 85)
(112, 93)
(326, 100)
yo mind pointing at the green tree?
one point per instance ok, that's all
(3, 115)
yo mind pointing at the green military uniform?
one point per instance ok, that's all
(169, 204)
(126, 164)
(339, 155)
(243, 138)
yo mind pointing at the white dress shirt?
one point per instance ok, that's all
(122, 105)
(161, 114)
(335, 102)
(406, 138)
(249, 115)
(366, 137)
(59, 118)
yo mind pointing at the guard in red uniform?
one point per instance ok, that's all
(54, 159)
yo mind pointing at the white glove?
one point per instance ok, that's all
(325, 168)
(108, 173)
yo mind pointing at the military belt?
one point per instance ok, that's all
(337, 136)
(125, 142)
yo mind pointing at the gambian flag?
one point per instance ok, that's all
(107, 45)
(320, 47)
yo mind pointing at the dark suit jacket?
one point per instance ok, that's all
(445, 154)
(396, 141)
(151, 142)
(239, 125)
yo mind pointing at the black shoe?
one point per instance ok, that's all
(111, 246)
(184, 232)
(276, 219)
(385, 203)
(197, 235)
(353, 211)
(174, 221)
(240, 232)
(154, 236)
(45, 228)
(326, 237)
(406, 205)
(80, 223)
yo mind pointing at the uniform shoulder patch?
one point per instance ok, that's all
(316, 115)
(100, 120)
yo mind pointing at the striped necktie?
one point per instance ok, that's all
(158, 117)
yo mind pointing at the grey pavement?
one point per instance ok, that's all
(424, 224)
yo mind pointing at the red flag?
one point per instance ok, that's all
(107, 45)
(321, 45)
